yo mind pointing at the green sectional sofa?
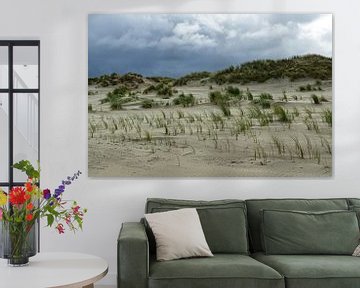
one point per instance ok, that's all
(245, 238)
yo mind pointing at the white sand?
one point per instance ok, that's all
(133, 142)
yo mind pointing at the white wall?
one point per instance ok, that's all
(3, 141)
(62, 28)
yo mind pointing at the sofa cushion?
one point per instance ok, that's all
(223, 221)
(354, 205)
(353, 201)
(314, 271)
(178, 234)
(297, 232)
(254, 216)
(356, 209)
(222, 270)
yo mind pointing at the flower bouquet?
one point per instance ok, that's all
(21, 208)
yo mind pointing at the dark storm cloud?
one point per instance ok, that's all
(176, 44)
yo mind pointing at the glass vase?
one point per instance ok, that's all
(18, 242)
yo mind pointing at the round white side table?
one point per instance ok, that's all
(50, 270)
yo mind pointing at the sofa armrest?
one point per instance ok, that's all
(133, 256)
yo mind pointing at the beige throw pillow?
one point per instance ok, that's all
(178, 234)
(357, 251)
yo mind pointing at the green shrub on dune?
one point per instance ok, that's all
(164, 90)
(264, 100)
(185, 100)
(307, 66)
(216, 97)
(117, 98)
(149, 89)
(147, 104)
(298, 67)
(128, 79)
(195, 76)
(282, 114)
(221, 100)
(249, 95)
(327, 116)
(161, 89)
(315, 99)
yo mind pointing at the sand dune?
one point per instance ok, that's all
(199, 141)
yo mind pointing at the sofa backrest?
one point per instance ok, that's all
(256, 205)
(353, 202)
(223, 221)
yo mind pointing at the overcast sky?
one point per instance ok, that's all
(177, 44)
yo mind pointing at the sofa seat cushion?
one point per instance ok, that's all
(314, 271)
(222, 270)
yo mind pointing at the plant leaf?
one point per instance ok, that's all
(50, 219)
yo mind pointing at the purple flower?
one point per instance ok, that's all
(46, 194)
(64, 183)
(58, 192)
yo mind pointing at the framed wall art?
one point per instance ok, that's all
(210, 95)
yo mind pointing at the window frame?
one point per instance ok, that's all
(10, 91)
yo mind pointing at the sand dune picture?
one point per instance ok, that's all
(210, 95)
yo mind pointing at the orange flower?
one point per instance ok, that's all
(29, 217)
(27, 196)
(29, 206)
(17, 196)
(29, 186)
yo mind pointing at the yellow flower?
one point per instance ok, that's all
(3, 198)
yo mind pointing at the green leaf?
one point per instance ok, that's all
(26, 167)
(79, 221)
(50, 219)
(53, 211)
